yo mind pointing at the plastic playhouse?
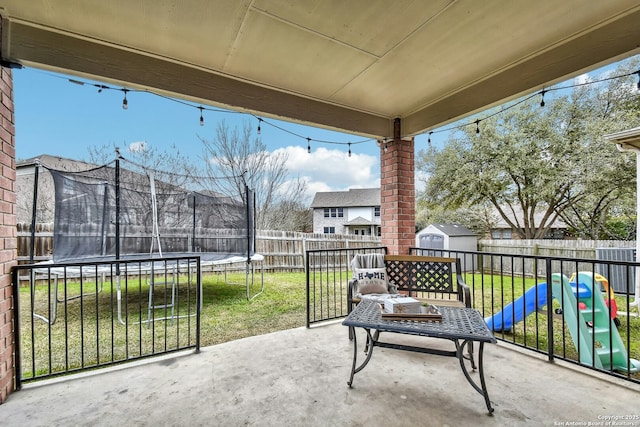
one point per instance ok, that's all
(590, 318)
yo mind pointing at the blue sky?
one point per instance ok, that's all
(57, 117)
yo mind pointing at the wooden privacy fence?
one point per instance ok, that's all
(552, 248)
(285, 250)
(282, 250)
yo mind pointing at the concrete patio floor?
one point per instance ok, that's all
(299, 377)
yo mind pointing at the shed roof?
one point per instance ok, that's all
(452, 230)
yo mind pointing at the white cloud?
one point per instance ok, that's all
(138, 146)
(332, 169)
(581, 79)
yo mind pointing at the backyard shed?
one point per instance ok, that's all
(449, 237)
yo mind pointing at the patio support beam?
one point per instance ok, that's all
(37, 47)
(397, 193)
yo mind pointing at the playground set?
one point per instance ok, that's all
(592, 321)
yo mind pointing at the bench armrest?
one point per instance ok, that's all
(464, 292)
(351, 292)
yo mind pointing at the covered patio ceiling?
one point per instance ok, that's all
(353, 66)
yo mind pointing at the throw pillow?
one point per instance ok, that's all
(371, 280)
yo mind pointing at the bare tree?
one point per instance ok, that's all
(243, 159)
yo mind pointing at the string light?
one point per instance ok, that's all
(542, 93)
(349, 149)
(201, 116)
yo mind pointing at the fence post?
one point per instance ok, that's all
(306, 269)
(549, 309)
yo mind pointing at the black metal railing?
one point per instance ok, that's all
(79, 316)
(564, 308)
(327, 275)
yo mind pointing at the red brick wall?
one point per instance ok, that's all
(8, 234)
(397, 196)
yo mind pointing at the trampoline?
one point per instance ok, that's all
(113, 213)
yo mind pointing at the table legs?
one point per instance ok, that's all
(368, 350)
(482, 388)
(372, 341)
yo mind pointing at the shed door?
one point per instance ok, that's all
(431, 241)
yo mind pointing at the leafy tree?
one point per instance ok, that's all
(243, 159)
(536, 164)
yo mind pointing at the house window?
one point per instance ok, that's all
(329, 230)
(501, 234)
(333, 212)
(376, 211)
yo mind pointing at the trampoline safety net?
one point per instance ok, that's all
(113, 212)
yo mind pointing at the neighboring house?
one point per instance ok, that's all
(25, 174)
(501, 230)
(356, 211)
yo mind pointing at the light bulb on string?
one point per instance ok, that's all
(477, 126)
(259, 122)
(638, 73)
(349, 149)
(125, 103)
(429, 140)
(542, 100)
(201, 116)
(308, 145)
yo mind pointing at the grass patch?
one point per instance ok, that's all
(78, 340)
(87, 332)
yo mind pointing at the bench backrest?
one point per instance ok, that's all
(423, 276)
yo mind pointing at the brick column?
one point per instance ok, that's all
(8, 240)
(397, 196)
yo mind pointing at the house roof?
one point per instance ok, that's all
(452, 230)
(359, 221)
(355, 197)
(356, 66)
(55, 162)
(499, 222)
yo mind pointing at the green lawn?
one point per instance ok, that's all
(80, 338)
(227, 315)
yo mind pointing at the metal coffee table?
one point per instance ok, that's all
(462, 326)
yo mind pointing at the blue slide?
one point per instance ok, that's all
(519, 309)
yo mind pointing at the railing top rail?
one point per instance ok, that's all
(534, 257)
(90, 263)
(356, 249)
